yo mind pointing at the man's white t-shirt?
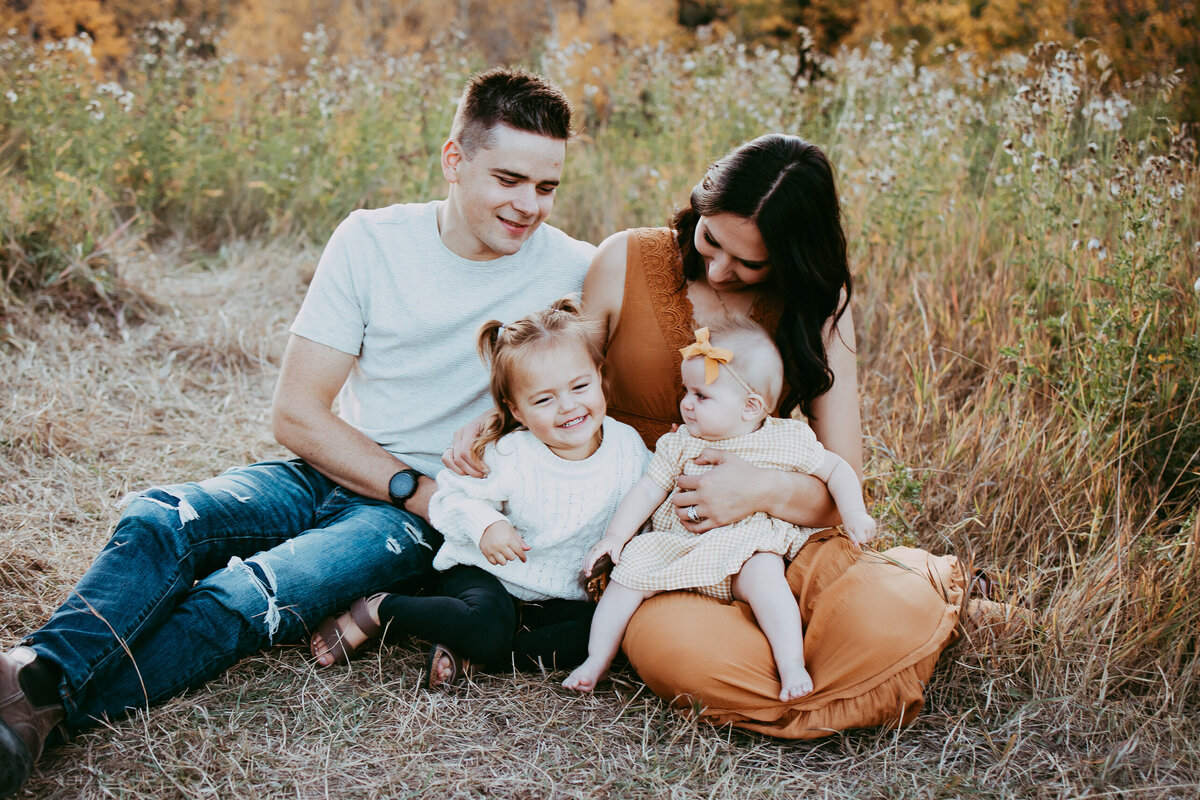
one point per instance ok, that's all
(388, 291)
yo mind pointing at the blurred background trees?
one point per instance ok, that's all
(1139, 36)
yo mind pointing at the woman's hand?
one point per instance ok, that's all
(501, 544)
(734, 489)
(723, 495)
(458, 457)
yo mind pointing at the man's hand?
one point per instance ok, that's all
(501, 543)
(458, 457)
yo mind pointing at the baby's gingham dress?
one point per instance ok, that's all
(670, 556)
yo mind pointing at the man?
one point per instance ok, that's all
(198, 575)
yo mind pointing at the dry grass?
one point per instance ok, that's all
(90, 410)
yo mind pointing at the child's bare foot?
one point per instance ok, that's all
(795, 680)
(586, 676)
(444, 667)
(338, 638)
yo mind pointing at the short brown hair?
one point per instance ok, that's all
(513, 97)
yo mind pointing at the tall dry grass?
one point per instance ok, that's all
(1025, 250)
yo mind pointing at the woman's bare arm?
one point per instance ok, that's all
(604, 286)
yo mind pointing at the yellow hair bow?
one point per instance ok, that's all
(713, 356)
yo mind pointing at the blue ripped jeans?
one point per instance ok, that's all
(198, 575)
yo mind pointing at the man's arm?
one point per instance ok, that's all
(303, 421)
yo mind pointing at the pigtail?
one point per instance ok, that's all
(492, 429)
(500, 420)
(568, 305)
(489, 334)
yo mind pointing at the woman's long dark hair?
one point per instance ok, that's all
(786, 187)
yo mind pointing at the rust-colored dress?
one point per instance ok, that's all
(874, 623)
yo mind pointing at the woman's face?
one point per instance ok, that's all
(735, 256)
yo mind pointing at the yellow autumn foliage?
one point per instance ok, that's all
(1139, 36)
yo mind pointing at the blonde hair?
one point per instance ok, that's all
(755, 357)
(506, 348)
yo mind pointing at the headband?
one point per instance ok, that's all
(713, 358)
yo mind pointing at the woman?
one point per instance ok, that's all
(762, 237)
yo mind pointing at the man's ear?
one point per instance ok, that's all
(755, 408)
(452, 158)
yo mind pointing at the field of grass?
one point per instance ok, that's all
(1026, 246)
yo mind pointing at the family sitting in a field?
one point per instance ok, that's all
(469, 511)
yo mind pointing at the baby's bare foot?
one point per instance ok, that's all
(795, 680)
(586, 676)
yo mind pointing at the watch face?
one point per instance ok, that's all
(402, 486)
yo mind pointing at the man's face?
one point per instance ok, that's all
(499, 194)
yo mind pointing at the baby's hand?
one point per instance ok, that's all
(610, 546)
(501, 543)
(859, 527)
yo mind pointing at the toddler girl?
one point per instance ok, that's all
(726, 407)
(509, 566)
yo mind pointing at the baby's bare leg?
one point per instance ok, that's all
(762, 584)
(612, 616)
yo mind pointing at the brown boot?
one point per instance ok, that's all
(23, 726)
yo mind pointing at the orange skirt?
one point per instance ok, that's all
(874, 626)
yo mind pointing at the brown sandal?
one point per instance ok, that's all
(334, 636)
(459, 667)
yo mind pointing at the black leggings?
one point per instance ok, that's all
(475, 616)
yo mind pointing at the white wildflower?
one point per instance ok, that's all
(11, 95)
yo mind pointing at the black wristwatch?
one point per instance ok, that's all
(402, 486)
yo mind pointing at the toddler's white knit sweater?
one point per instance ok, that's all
(559, 507)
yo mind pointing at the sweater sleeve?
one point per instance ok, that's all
(464, 507)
